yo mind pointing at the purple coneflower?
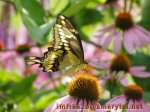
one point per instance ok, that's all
(84, 94)
(121, 65)
(124, 31)
(132, 100)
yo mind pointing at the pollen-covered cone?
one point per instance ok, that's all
(84, 95)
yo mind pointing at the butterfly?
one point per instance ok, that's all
(66, 54)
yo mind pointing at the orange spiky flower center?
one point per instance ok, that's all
(124, 21)
(120, 63)
(1, 46)
(134, 92)
(23, 48)
(85, 87)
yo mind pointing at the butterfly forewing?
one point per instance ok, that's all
(69, 40)
(64, 21)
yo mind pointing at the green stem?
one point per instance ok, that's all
(131, 4)
(111, 92)
(125, 5)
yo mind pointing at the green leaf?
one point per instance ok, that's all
(7, 77)
(46, 100)
(33, 16)
(75, 7)
(87, 27)
(58, 5)
(147, 96)
(145, 15)
(22, 87)
(26, 104)
(92, 16)
(33, 9)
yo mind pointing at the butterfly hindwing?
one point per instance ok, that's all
(50, 61)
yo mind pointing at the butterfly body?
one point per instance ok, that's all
(66, 52)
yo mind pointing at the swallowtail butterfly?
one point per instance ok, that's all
(66, 53)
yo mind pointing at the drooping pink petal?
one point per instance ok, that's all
(137, 40)
(7, 55)
(100, 34)
(53, 107)
(120, 100)
(145, 39)
(118, 43)
(95, 107)
(139, 73)
(117, 100)
(137, 68)
(108, 40)
(107, 28)
(128, 42)
(83, 106)
(146, 108)
(130, 105)
(142, 29)
(99, 41)
(134, 106)
(101, 65)
(104, 56)
(137, 37)
(70, 101)
(138, 104)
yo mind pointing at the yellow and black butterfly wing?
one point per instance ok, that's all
(50, 61)
(70, 34)
(67, 49)
(64, 21)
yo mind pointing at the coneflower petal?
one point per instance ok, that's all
(108, 39)
(146, 108)
(118, 43)
(129, 43)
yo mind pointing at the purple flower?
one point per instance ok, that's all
(84, 91)
(117, 69)
(125, 32)
(121, 63)
(132, 100)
